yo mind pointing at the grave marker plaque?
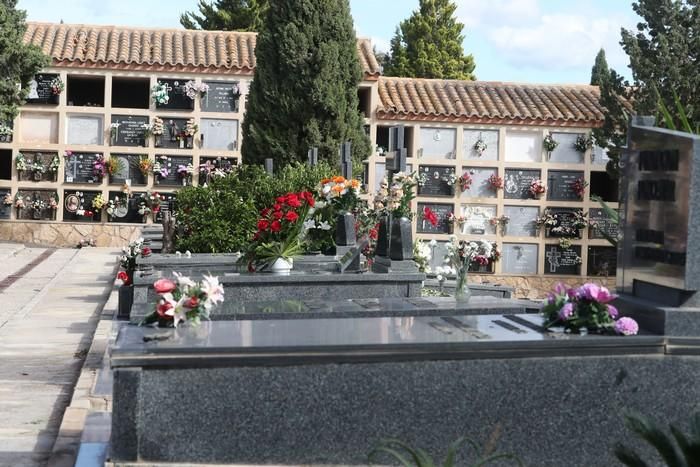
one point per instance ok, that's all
(167, 204)
(131, 215)
(489, 137)
(441, 211)
(565, 151)
(480, 187)
(436, 180)
(84, 129)
(221, 97)
(219, 134)
(130, 131)
(566, 218)
(601, 223)
(40, 91)
(602, 261)
(129, 172)
(519, 258)
(172, 163)
(564, 261)
(477, 220)
(79, 168)
(517, 183)
(29, 213)
(173, 133)
(560, 185)
(178, 100)
(44, 160)
(77, 201)
(522, 220)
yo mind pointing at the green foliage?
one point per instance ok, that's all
(600, 71)
(614, 93)
(409, 456)
(304, 92)
(429, 44)
(19, 62)
(685, 454)
(611, 213)
(681, 116)
(226, 15)
(222, 217)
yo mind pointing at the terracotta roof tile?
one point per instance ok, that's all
(489, 102)
(88, 46)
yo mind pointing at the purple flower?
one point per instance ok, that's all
(594, 292)
(164, 172)
(612, 311)
(560, 289)
(566, 311)
(551, 299)
(626, 326)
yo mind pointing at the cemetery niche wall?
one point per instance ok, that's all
(128, 130)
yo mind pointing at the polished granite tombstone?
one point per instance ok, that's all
(325, 391)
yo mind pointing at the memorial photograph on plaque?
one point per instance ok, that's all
(435, 180)
(565, 185)
(173, 136)
(219, 134)
(565, 152)
(127, 170)
(83, 167)
(84, 129)
(480, 144)
(177, 97)
(78, 206)
(222, 96)
(128, 211)
(438, 142)
(42, 89)
(602, 261)
(36, 204)
(479, 187)
(522, 220)
(516, 183)
(564, 261)
(173, 170)
(441, 211)
(128, 130)
(5, 208)
(477, 219)
(519, 258)
(601, 226)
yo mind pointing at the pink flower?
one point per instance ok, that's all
(626, 326)
(566, 311)
(163, 286)
(612, 311)
(594, 292)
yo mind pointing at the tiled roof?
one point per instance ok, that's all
(89, 46)
(489, 102)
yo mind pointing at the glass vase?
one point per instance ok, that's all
(462, 292)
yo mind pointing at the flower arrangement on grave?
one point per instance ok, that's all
(5, 133)
(38, 169)
(396, 199)
(317, 235)
(157, 128)
(54, 164)
(98, 202)
(368, 229)
(37, 205)
(57, 86)
(19, 201)
(159, 93)
(422, 179)
(99, 167)
(145, 166)
(450, 178)
(552, 221)
(20, 162)
(53, 202)
(8, 200)
(184, 300)
(152, 200)
(583, 143)
(144, 210)
(113, 204)
(465, 181)
(184, 172)
(193, 89)
(114, 165)
(549, 143)
(113, 128)
(462, 255)
(537, 188)
(279, 230)
(495, 182)
(479, 147)
(429, 216)
(586, 308)
(127, 260)
(456, 220)
(579, 186)
(500, 222)
(422, 253)
(160, 170)
(191, 128)
(381, 150)
(339, 192)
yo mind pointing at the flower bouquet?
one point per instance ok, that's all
(5, 133)
(502, 222)
(145, 166)
(184, 172)
(113, 128)
(37, 206)
(583, 143)
(465, 181)
(114, 165)
(99, 167)
(19, 201)
(38, 169)
(429, 216)
(579, 186)
(184, 300)
(464, 256)
(537, 188)
(157, 130)
(54, 165)
(8, 200)
(159, 93)
(456, 220)
(495, 182)
(57, 86)
(20, 162)
(191, 128)
(98, 202)
(549, 144)
(127, 260)
(279, 232)
(193, 88)
(586, 308)
(160, 170)
(479, 147)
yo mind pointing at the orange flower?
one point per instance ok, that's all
(325, 180)
(355, 183)
(337, 188)
(338, 179)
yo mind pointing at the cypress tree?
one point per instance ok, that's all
(226, 15)
(600, 71)
(19, 62)
(429, 44)
(304, 91)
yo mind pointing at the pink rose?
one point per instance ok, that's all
(163, 286)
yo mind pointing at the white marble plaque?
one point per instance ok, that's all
(480, 187)
(522, 220)
(438, 142)
(566, 152)
(599, 156)
(519, 258)
(523, 146)
(379, 173)
(220, 134)
(39, 127)
(84, 129)
(477, 219)
(490, 137)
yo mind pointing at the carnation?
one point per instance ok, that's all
(626, 326)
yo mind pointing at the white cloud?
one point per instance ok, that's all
(480, 13)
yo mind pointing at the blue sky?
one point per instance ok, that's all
(536, 41)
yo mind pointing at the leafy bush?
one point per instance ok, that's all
(222, 217)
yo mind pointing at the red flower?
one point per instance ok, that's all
(124, 277)
(277, 215)
(280, 199)
(162, 307)
(263, 225)
(308, 197)
(430, 216)
(146, 251)
(276, 226)
(291, 216)
(265, 212)
(277, 207)
(164, 286)
(293, 201)
(192, 303)
(373, 234)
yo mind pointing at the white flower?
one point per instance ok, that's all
(324, 226)
(214, 290)
(310, 224)
(188, 254)
(178, 254)
(183, 281)
(433, 243)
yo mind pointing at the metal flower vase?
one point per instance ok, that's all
(401, 245)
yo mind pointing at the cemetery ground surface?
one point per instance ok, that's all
(50, 300)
